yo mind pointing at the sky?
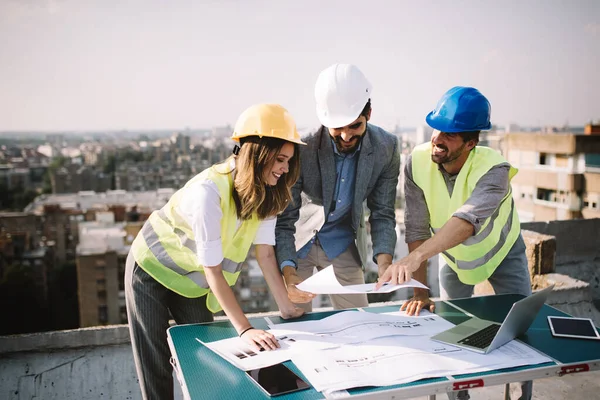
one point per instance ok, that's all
(157, 64)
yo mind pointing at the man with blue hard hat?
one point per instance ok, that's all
(459, 204)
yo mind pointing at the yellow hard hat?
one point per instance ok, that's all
(266, 120)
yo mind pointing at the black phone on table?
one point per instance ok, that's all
(572, 327)
(277, 379)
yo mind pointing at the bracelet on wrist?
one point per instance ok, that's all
(245, 330)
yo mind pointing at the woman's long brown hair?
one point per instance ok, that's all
(251, 192)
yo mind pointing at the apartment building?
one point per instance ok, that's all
(21, 230)
(100, 290)
(101, 255)
(57, 228)
(559, 175)
(86, 201)
(21, 243)
(75, 178)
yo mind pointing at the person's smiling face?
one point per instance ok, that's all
(280, 165)
(348, 137)
(447, 147)
(450, 150)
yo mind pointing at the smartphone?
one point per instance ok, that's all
(277, 379)
(571, 327)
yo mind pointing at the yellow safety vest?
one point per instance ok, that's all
(476, 258)
(166, 249)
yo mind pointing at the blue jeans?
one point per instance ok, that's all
(511, 276)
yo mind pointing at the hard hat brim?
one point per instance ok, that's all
(297, 141)
(442, 125)
(335, 121)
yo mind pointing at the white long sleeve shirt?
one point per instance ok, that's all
(201, 207)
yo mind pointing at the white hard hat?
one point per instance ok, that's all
(341, 93)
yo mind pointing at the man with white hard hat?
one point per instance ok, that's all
(345, 162)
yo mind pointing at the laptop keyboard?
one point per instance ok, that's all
(481, 339)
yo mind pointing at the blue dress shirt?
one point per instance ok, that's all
(336, 234)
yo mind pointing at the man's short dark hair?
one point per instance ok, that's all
(366, 110)
(466, 136)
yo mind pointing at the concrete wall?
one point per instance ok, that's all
(89, 364)
(105, 372)
(577, 249)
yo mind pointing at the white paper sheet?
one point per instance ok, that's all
(325, 282)
(357, 326)
(401, 359)
(352, 349)
(241, 355)
(341, 328)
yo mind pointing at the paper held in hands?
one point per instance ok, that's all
(325, 282)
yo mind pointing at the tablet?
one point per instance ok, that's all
(277, 379)
(571, 327)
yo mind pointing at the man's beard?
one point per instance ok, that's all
(448, 157)
(356, 139)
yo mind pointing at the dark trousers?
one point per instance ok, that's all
(150, 306)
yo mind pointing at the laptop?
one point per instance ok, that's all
(483, 336)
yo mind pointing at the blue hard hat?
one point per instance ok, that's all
(461, 109)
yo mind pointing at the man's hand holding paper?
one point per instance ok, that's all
(325, 282)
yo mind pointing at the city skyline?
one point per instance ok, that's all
(133, 65)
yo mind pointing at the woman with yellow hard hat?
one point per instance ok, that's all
(189, 253)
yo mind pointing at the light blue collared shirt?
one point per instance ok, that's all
(336, 234)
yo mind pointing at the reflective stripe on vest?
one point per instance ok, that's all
(476, 258)
(166, 248)
(160, 253)
(504, 233)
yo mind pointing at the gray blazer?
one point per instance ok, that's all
(376, 180)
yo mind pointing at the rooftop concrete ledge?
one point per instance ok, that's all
(563, 284)
(67, 339)
(109, 335)
(576, 240)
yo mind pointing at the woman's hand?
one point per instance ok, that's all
(260, 340)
